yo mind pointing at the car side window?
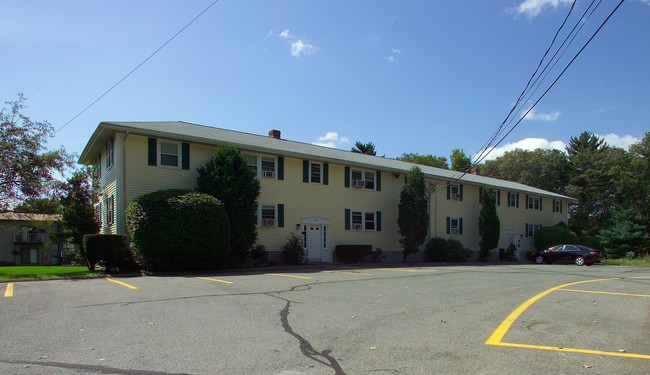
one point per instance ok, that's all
(571, 248)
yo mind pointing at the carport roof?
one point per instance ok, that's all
(202, 134)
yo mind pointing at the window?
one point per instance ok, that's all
(534, 203)
(363, 179)
(268, 167)
(110, 154)
(496, 195)
(455, 192)
(513, 199)
(454, 225)
(98, 167)
(110, 209)
(268, 216)
(531, 229)
(557, 206)
(364, 220)
(169, 154)
(251, 162)
(315, 173)
(98, 212)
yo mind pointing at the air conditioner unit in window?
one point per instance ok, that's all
(356, 226)
(358, 184)
(454, 231)
(269, 174)
(455, 196)
(268, 222)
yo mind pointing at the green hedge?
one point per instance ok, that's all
(451, 250)
(555, 235)
(109, 249)
(175, 230)
(352, 253)
(293, 251)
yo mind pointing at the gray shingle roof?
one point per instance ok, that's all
(212, 136)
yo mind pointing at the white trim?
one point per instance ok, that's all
(178, 154)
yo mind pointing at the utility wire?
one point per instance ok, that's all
(137, 67)
(486, 152)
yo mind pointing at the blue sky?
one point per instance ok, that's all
(411, 76)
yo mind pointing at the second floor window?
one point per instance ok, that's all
(169, 154)
(110, 154)
(534, 203)
(315, 173)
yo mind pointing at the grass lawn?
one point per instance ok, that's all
(638, 262)
(11, 272)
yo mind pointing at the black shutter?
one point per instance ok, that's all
(509, 198)
(378, 182)
(347, 219)
(448, 225)
(153, 152)
(517, 200)
(326, 173)
(461, 192)
(460, 225)
(280, 167)
(280, 215)
(526, 203)
(560, 206)
(185, 156)
(305, 171)
(347, 177)
(540, 203)
(448, 191)
(498, 197)
(378, 221)
(480, 195)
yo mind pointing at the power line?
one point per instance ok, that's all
(487, 150)
(137, 67)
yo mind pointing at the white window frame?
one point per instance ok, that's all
(110, 209)
(512, 199)
(532, 229)
(178, 154)
(364, 181)
(262, 221)
(311, 173)
(110, 154)
(258, 167)
(456, 195)
(534, 202)
(362, 226)
(557, 205)
(454, 229)
(98, 167)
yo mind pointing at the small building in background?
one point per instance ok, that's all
(25, 239)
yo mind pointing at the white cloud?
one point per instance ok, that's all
(299, 46)
(531, 144)
(616, 140)
(533, 115)
(532, 8)
(390, 59)
(394, 52)
(331, 140)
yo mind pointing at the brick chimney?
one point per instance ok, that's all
(476, 171)
(274, 134)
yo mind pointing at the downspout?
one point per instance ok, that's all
(435, 212)
(122, 224)
(429, 190)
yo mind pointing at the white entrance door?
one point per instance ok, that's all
(513, 239)
(314, 242)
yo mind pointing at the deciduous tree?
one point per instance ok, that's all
(459, 161)
(429, 160)
(27, 169)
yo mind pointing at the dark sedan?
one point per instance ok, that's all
(578, 254)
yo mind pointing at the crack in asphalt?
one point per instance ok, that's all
(306, 347)
(94, 368)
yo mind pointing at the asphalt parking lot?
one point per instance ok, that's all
(395, 319)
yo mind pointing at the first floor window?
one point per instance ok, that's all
(364, 220)
(454, 225)
(531, 229)
(169, 154)
(110, 209)
(268, 215)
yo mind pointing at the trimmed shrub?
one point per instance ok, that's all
(451, 250)
(259, 255)
(352, 253)
(555, 235)
(109, 249)
(293, 251)
(176, 229)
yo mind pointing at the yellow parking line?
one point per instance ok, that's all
(497, 335)
(403, 270)
(10, 290)
(217, 280)
(597, 292)
(297, 277)
(350, 273)
(121, 283)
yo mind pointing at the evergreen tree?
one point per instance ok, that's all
(227, 178)
(413, 219)
(624, 235)
(364, 148)
(488, 224)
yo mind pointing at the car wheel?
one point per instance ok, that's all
(539, 259)
(580, 261)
